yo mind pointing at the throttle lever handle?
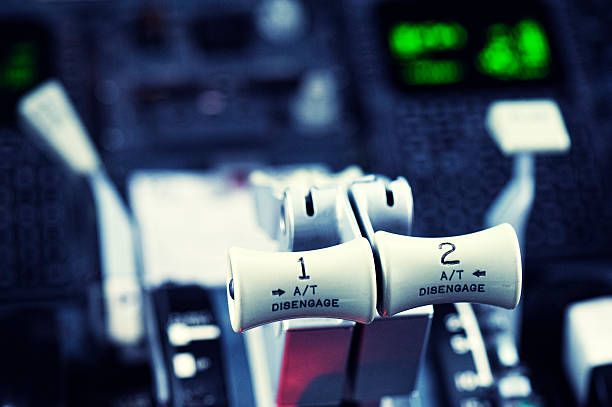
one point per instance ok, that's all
(340, 281)
(482, 267)
(335, 282)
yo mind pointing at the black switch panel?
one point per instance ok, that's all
(191, 344)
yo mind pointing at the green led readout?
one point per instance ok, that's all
(519, 52)
(430, 71)
(409, 42)
(437, 52)
(18, 68)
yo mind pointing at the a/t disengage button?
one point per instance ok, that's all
(335, 282)
(482, 267)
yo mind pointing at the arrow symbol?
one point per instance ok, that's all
(278, 292)
(480, 273)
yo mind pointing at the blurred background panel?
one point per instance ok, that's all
(183, 99)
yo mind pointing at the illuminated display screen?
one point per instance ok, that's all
(443, 44)
(24, 62)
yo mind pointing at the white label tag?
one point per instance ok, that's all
(529, 126)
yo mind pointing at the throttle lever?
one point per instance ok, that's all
(335, 282)
(382, 270)
(340, 281)
(483, 267)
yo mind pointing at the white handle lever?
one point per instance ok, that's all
(49, 115)
(482, 267)
(335, 282)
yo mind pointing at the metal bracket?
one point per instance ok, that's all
(381, 204)
(316, 218)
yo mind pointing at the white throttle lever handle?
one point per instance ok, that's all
(335, 282)
(482, 267)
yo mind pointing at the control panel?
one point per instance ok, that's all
(140, 140)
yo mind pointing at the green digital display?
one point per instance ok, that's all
(412, 40)
(516, 52)
(19, 68)
(25, 49)
(474, 44)
(432, 71)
